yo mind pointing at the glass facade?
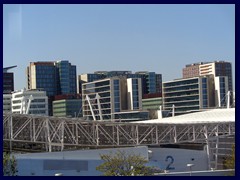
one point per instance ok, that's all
(151, 82)
(224, 69)
(113, 99)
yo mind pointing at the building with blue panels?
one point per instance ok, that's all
(54, 77)
(115, 98)
(151, 81)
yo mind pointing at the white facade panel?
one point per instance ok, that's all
(38, 105)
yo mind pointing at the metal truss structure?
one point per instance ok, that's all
(51, 133)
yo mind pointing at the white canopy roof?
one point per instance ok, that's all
(209, 116)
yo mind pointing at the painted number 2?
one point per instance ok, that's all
(170, 163)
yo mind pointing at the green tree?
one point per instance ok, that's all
(123, 164)
(9, 165)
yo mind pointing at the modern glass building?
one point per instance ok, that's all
(66, 81)
(151, 82)
(56, 77)
(53, 77)
(108, 99)
(188, 95)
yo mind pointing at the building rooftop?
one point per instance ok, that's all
(209, 116)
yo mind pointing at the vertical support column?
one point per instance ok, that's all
(216, 153)
(117, 135)
(194, 134)
(76, 135)
(208, 146)
(10, 133)
(137, 139)
(173, 110)
(156, 134)
(97, 135)
(34, 129)
(48, 135)
(175, 134)
(62, 136)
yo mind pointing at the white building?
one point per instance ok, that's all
(7, 103)
(36, 100)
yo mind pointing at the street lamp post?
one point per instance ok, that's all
(190, 167)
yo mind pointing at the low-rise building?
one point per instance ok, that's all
(7, 107)
(67, 106)
(30, 102)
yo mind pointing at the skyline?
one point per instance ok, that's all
(160, 38)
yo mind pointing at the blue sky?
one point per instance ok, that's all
(161, 38)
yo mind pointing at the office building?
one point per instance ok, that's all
(188, 95)
(151, 82)
(112, 99)
(30, 102)
(55, 78)
(216, 68)
(8, 80)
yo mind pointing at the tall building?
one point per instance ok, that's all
(30, 102)
(112, 99)
(8, 80)
(56, 78)
(188, 95)
(216, 68)
(66, 78)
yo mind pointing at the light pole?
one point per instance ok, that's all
(190, 167)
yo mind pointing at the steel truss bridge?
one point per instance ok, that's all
(58, 134)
